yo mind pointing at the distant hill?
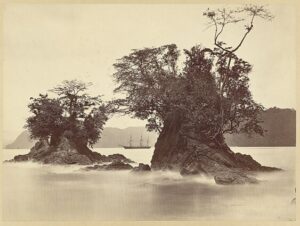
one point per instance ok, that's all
(22, 141)
(279, 123)
(281, 130)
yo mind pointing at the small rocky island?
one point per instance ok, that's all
(67, 125)
(66, 152)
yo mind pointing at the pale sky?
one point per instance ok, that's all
(46, 44)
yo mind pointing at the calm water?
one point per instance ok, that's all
(36, 192)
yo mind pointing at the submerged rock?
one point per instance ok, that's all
(21, 158)
(234, 178)
(184, 150)
(95, 167)
(66, 152)
(142, 168)
(116, 165)
(119, 157)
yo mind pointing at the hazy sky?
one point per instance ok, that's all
(46, 44)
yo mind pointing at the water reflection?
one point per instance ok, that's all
(36, 192)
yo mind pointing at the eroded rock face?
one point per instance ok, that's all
(142, 168)
(66, 157)
(66, 152)
(188, 153)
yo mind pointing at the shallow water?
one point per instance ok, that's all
(39, 192)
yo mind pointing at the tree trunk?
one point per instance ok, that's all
(54, 139)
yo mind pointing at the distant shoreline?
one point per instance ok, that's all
(280, 125)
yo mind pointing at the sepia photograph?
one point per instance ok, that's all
(148, 112)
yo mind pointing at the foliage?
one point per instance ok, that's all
(236, 104)
(47, 117)
(153, 90)
(73, 113)
(211, 90)
(146, 76)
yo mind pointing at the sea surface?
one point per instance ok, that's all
(34, 192)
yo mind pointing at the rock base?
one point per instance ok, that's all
(186, 151)
(66, 152)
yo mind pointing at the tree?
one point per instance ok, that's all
(146, 77)
(47, 120)
(73, 113)
(211, 91)
(220, 18)
(231, 72)
(155, 86)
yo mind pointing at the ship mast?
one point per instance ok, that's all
(141, 141)
(130, 141)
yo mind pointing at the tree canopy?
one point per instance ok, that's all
(211, 89)
(153, 90)
(72, 113)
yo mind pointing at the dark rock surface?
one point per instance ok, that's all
(65, 157)
(234, 178)
(66, 152)
(142, 168)
(95, 167)
(21, 158)
(116, 165)
(183, 150)
(119, 157)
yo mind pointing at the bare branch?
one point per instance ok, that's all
(221, 17)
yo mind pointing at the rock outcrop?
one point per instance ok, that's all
(118, 157)
(119, 165)
(66, 152)
(183, 150)
(142, 168)
(115, 165)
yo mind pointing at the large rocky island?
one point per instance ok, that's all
(177, 149)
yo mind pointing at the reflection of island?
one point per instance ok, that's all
(141, 146)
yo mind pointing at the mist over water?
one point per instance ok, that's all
(41, 192)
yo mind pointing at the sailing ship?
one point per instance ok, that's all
(141, 146)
